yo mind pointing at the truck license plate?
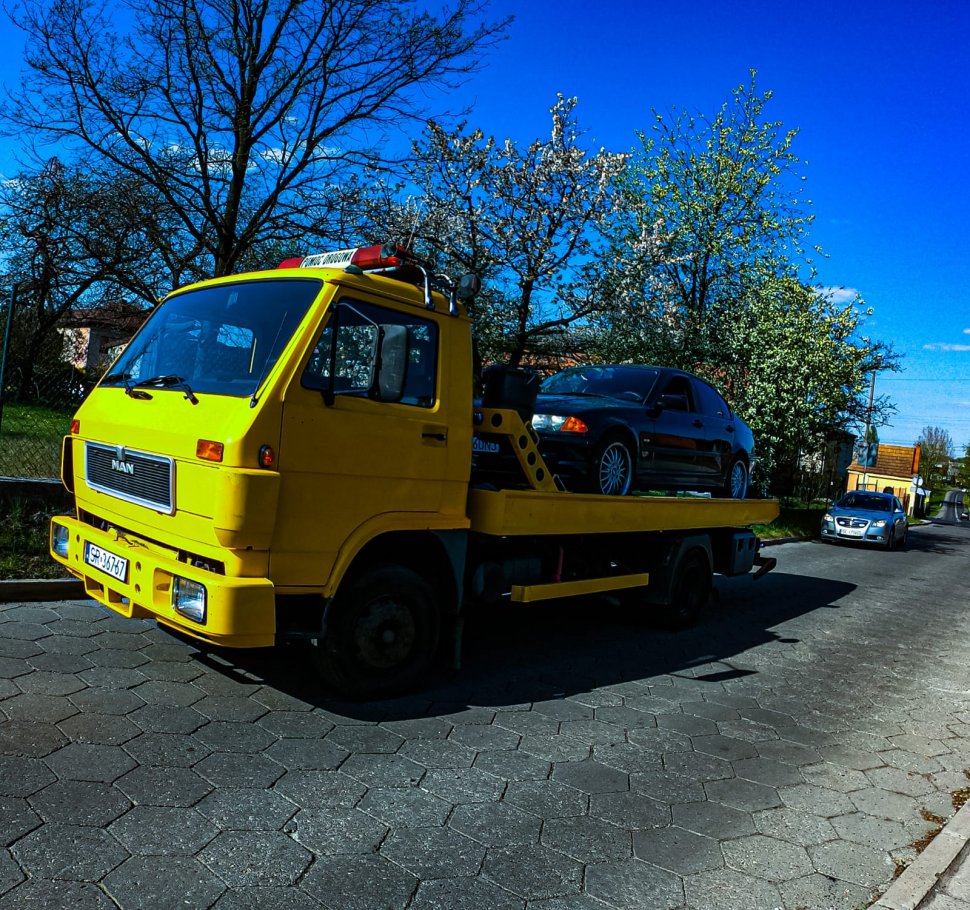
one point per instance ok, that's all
(109, 563)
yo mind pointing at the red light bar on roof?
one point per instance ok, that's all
(376, 256)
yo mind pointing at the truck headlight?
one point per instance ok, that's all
(188, 599)
(60, 539)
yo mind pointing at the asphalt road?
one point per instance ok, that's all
(789, 751)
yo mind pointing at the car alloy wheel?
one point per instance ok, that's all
(613, 469)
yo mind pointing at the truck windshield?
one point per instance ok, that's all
(222, 339)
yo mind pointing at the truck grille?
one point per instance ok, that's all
(133, 476)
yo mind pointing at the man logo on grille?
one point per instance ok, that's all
(119, 464)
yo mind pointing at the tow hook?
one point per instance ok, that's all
(764, 563)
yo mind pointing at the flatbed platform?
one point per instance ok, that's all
(516, 513)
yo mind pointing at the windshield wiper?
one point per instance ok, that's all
(129, 385)
(170, 381)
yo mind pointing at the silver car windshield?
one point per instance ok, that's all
(868, 503)
(222, 339)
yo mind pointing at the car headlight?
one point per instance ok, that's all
(557, 423)
(827, 517)
(879, 524)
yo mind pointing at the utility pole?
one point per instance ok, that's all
(872, 398)
(11, 303)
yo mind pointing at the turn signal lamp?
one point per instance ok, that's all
(208, 450)
(573, 425)
(75, 426)
(267, 457)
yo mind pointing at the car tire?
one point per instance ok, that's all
(382, 633)
(891, 539)
(611, 470)
(901, 541)
(736, 486)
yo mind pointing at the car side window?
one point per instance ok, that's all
(711, 402)
(358, 328)
(679, 395)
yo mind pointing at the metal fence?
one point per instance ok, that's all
(40, 389)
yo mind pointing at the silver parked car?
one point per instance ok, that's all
(863, 517)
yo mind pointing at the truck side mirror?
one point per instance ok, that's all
(393, 362)
(469, 285)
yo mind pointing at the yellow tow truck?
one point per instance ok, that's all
(288, 454)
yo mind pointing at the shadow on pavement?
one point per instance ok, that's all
(520, 654)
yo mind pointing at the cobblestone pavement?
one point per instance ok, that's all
(788, 752)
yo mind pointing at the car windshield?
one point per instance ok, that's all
(870, 502)
(615, 382)
(222, 339)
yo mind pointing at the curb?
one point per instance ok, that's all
(35, 589)
(920, 877)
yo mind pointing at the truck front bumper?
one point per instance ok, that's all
(132, 578)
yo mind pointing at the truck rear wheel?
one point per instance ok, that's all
(690, 592)
(382, 633)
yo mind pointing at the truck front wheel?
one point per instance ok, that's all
(382, 633)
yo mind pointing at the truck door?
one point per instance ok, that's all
(357, 455)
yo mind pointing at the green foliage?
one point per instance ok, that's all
(804, 521)
(936, 452)
(793, 365)
(710, 210)
(30, 440)
(709, 254)
(24, 540)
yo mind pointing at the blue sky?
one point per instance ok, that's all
(880, 93)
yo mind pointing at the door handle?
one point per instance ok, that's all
(435, 434)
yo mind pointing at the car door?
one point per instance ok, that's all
(672, 449)
(719, 429)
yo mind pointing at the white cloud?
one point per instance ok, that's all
(966, 331)
(943, 346)
(839, 295)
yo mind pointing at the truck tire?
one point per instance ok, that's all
(690, 592)
(382, 633)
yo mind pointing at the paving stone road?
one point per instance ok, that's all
(788, 752)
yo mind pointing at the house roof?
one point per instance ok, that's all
(119, 316)
(892, 461)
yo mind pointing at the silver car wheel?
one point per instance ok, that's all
(614, 469)
(738, 481)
